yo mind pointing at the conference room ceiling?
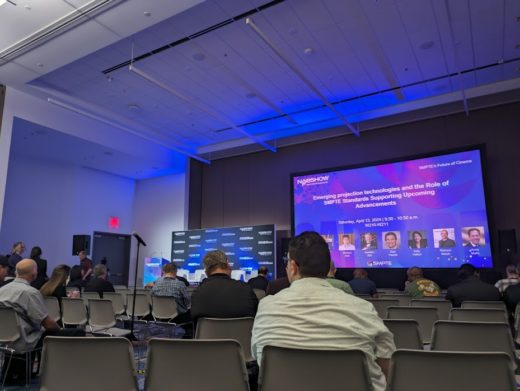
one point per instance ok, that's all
(204, 81)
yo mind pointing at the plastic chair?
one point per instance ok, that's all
(381, 305)
(406, 333)
(142, 305)
(89, 363)
(89, 295)
(497, 305)
(164, 307)
(73, 312)
(222, 362)
(404, 300)
(102, 318)
(443, 306)
(297, 369)
(478, 315)
(239, 329)
(425, 316)
(473, 337)
(117, 302)
(450, 371)
(53, 307)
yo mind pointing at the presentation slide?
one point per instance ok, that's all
(428, 212)
(153, 269)
(246, 247)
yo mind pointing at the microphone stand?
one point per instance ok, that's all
(132, 336)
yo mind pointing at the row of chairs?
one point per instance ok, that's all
(80, 363)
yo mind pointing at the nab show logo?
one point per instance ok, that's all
(313, 180)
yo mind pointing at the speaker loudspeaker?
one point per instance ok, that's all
(80, 243)
(507, 241)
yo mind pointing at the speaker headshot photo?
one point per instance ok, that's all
(442, 237)
(368, 241)
(346, 242)
(417, 239)
(473, 237)
(391, 240)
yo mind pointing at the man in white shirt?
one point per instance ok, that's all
(312, 314)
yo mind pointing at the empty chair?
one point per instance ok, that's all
(53, 307)
(117, 302)
(297, 369)
(102, 318)
(89, 295)
(85, 364)
(450, 371)
(473, 337)
(260, 294)
(142, 305)
(425, 316)
(238, 329)
(443, 306)
(164, 308)
(406, 333)
(73, 312)
(222, 362)
(478, 315)
(381, 305)
(404, 300)
(498, 305)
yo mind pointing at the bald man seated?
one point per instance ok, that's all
(33, 316)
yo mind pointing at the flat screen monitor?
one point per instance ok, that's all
(428, 212)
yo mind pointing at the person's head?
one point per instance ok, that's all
(4, 267)
(467, 270)
(36, 252)
(263, 271)
(82, 255)
(216, 261)
(360, 273)
(75, 273)
(512, 271)
(391, 240)
(474, 236)
(27, 270)
(170, 269)
(414, 273)
(345, 239)
(444, 234)
(100, 271)
(417, 236)
(308, 256)
(18, 248)
(368, 238)
(58, 278)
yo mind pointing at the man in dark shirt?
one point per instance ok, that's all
(260, 281)
(362, 285)
(277, 285)
(471, 288)
(512, 297)
(99, 283)
(219, 296)
(4, 270)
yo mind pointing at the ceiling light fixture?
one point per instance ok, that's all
(2, 2)
(300, 74)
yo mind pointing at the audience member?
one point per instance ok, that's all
(312, 314)
(361, 284)
(4, 270)
(35, 322)
(86, 265)
(56, 285)
(41, 278)
(336, 283)
(219, 296)
(260, 281)
(277, 285)
(417, 286)
(512, 278)
(512, 297)
(16, 256)
(76, 279)
(183, 280)
(169, 285)
(471, 288)
(99, 283)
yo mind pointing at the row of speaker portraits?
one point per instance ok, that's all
(417, 239)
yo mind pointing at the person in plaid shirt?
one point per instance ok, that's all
(169, 285)
(512, 279)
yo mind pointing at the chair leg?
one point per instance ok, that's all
(4, 377)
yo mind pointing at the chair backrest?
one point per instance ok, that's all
(101, 313)
(73, 312)
(478, 315)
(473, 337)
(260, 293)
(425, 316)
(89, 295)
(86, 364)
(239, 329)
(117, 301)
(404, 300)
(497, 305)
(222, 362)
(296, 369)
(53, 307)
(443, 306)
(381, 305)
(142, 305)
(406, 333)
(450, 371)
(10, 328)
(124, 294)
(164, 307)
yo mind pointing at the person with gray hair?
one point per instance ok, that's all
(99, 283)
(512, 278)
(219, 296)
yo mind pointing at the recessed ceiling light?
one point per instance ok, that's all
(426, 45)
(308, 51)
(133, 106)
(110, 79)
(199, 57)
(147, 13)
